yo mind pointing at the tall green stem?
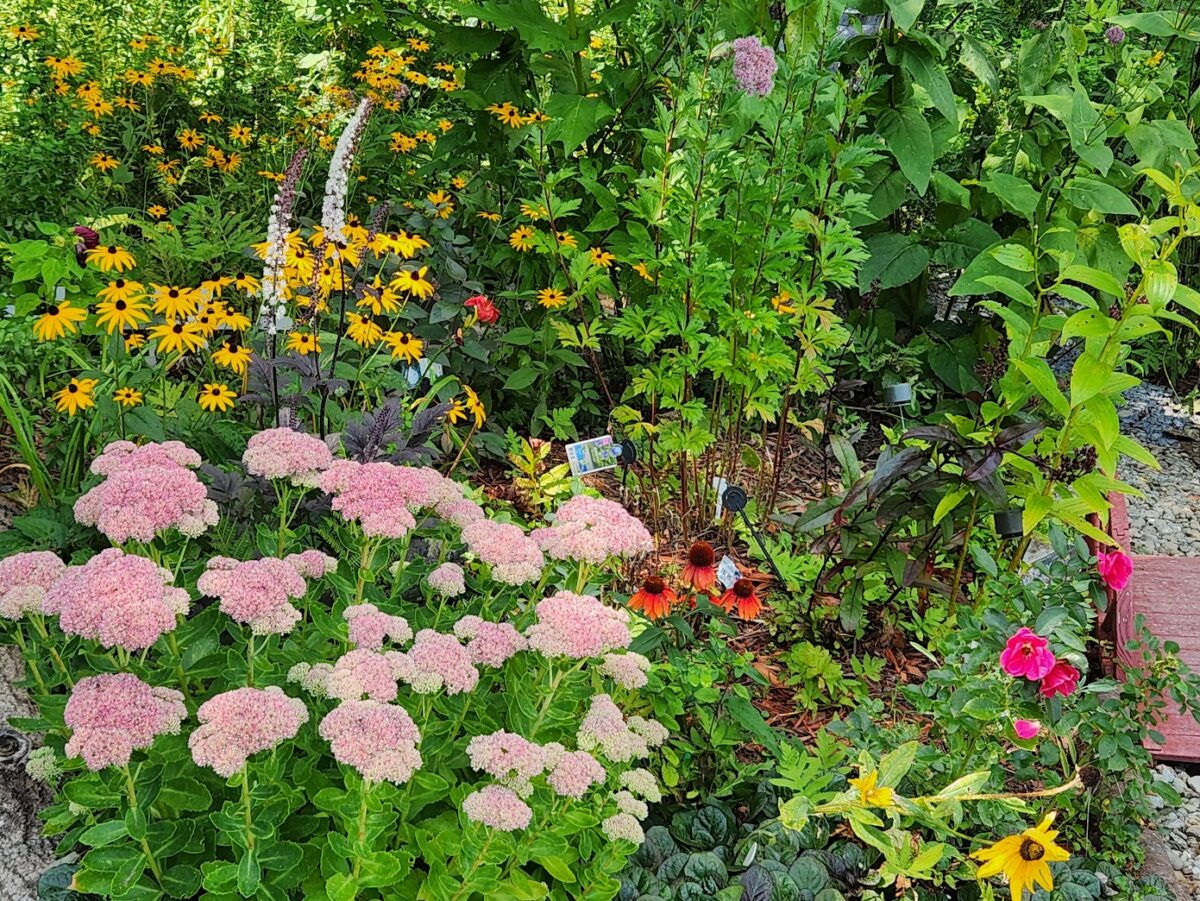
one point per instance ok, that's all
(30, 661)
(247, 815)
(466, 882)
(363, 791)
(131, 795)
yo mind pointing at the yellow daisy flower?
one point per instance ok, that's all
(177, 337)
(522, 238)
(413, 282)
(121, 314)
(551, 298)
(127, 397)
(405, 345)
(232, 355)
(59, 320)
(303, 343)
(111, 256)
(216, 396)
(76, 396)
(1024, 859)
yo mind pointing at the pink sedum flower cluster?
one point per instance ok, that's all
(242, 722)
(24, 581)
(258, 593)
(287, 454)
(489, 644)
(364, 672)
(623, 827)
(498, 807)
(436, 661)
(592, 530)
(628, 670)
(378, 740)
(118, 599)
(574, 773)
(114, 714)
(147, 490)
(577, 626)
(369, 627)
(509, 758)
(447, 580)
(382, 497)
(514, 557)
(606, 730)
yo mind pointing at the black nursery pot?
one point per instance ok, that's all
(897, 394)
(1009, 524)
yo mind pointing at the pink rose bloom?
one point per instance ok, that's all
(1061, 680)
(1027, 654)
(1115, 568)
(1027, 729)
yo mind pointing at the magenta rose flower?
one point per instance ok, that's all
(1026, 729)
(1027, 654)
(1115, 568)
(1061, 680)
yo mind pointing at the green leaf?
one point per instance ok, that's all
(1041, 376)
(1014, 256)
(974, 55)
(556, 867)
(103, 833)
(1014, 193)
(895, 765)
(527, 18)
(907, 135)
(1036, 508)
(895, 260)
(905, 12)
(520, 379)
(1093, 194)
(1158, 24)
(1038, 60)
(249, 875)
(931, 76)
(573, 118)
(947, 190)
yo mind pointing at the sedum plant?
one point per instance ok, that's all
(434, 710)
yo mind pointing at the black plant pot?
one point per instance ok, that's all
(897, 395)
(1009, 524)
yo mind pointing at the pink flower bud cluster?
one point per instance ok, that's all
(378, 740)
(593, 529)
(754, 66)
(118, 599)
(489, 644)
(287, 454)
(642, 783)
(627, 803)
(605, 729)
(24, 581)
(623, 827)
(497, 807)
(577, 626)
(447, 580)
(382, 497)
(512, 760)
(364, 672)
(514, 557)
(114, 714)
(574, 773)
(259, 592)
(628, 670)
(460, 511)
(369, 627)
(147, 490)
(437, 661)
(312, 677)
(242, 722)
(312, 564)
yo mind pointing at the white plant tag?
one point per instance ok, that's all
(728, 572)
(60, 293)
(719, 484)
(592, 455)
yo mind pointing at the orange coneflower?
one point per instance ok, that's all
(654, 599)
(742, 597)
(701, 569)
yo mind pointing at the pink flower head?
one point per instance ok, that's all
(1026, 729)
(1115, 568)
(604, 730)
(628, 670)
(382, 497)
(577, 626)
(485, 310)
(1027, 654)
(24, 581)
(242, 722)
(623, 827)
(575, 773)
(365, 672)
(118, 599)
(256, 592)
(287, 454)
(437, 660)
(312, 564)
(514, 557)
(447, 580)
(147, 490)
(754, 66)
(497, 807)
(378, 740)
(460, 511)
(370, 627)
(513, 760)
(114, 714)
(1061, 680)
(593, 529)
(489, 644)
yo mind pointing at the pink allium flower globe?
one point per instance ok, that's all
(242, 722)
(1060, 680)
(1027, 655)
(147, 490)
(369, 627)
(287, 454)
(489, 644)
(378, 740)
(1115, 569)
(24, 581)
(514, 557)
(114, 714)
(577, 626)
(592, 530)
(118, 599)
(259, 592)
(1026, 729)
(437, 661)
(497, 807)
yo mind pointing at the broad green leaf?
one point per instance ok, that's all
(1089, 376)
(1042, 377)
(1088, 324)
(895, 260)
(947, 190)
(905, 12)
(1015, 193)
(1093, 194)
(1094, 278)
(895, 765)
(1038, 60)
(907, 135)
(1159, 281)
(574, 118)
(1036, 508)
(974, 55)
(931, 76)
(1014, 256)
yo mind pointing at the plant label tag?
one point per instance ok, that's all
(728, 572)
(593, 455)
(423, 367)
(719, 484)
(60, 293)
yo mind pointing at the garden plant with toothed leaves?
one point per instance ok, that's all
(301, 303)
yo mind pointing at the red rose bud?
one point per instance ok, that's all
(485, 310)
